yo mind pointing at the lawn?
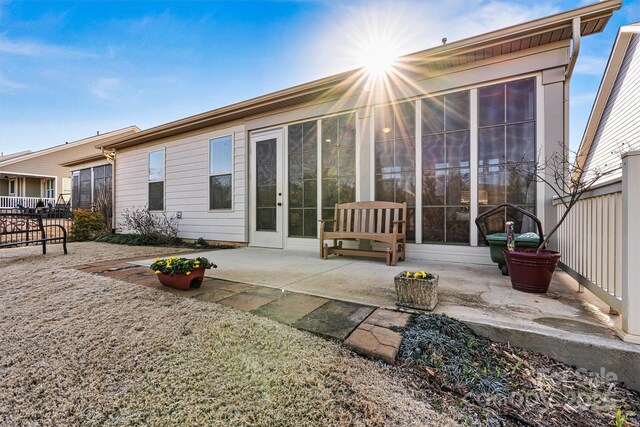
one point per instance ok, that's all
(81, 349)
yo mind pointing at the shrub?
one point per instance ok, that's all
(157, 228)
(86, 224)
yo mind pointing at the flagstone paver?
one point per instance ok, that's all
(375, 338)
(290, 308)
(335, 319)
(365, 329)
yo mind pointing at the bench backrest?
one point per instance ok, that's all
(12, 224)
(369, 217)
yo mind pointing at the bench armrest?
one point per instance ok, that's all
(327, 220)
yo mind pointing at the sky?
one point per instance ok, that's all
(69, 69)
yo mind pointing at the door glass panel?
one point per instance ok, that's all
(266, 174)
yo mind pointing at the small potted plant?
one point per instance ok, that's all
(417, 290)
(181, 273)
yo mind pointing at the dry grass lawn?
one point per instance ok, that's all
(81, 349)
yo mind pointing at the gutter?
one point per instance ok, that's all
(575, 51)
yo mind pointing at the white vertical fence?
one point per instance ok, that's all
(590, 241)
(600, 244)
(27, 202)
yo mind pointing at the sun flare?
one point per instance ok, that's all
(378, 56)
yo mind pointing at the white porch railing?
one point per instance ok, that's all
(600, 244)
(28, 202)
(590, 241)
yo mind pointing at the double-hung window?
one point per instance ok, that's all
(49, 188)
(156, 180)
(221, 173)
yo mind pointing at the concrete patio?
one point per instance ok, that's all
(564, 323)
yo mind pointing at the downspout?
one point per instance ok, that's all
(575, 38)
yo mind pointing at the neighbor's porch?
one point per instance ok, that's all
(26, 190)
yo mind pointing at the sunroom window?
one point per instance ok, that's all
(303, 179)
(507, 137)
(395, 157)
(338, 163)
(445, 168)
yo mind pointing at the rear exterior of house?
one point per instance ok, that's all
(438, 132)
(33, 176)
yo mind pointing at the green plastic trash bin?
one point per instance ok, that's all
(497, 242)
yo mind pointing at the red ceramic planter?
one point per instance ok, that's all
(182, 281)
(530, 271)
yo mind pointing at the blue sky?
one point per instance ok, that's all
(69, 69)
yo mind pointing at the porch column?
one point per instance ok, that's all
(630, 247)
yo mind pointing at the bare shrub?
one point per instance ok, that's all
(104, 205)
(157, 228)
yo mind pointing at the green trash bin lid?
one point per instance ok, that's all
(519, 238)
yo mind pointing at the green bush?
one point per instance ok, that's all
(86, 224)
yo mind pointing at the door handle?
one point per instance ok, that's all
(279, 203)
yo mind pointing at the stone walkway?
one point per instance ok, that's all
(365, 329)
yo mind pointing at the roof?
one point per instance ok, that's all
(607, 84)
(543, 31)
(90, 140)
(13, 155)
(83, 160)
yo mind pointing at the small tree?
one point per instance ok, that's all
(567, 176)
(103, 205)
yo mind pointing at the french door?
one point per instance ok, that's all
(266, 188)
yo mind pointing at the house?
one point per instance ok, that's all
(28, 177)
(614, 123)
(437, 130)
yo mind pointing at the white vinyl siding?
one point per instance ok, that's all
(186, 184)
(619, 127)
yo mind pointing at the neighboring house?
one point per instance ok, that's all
(91, 179)
(437, 131)
(614, 123)
(32, 176)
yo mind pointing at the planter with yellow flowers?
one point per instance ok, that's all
(417, 289)
(181, 273)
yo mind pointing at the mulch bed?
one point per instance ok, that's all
(507, 385)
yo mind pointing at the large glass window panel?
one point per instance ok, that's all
(457, 227)
(445, 169)
(521, 100)
(521, 142)
(303, 177)
(395, 157)
(433, 224)
(491, 146)
(84, 200)
(338, 163)
(491, 101)
(433, 187)
(220, 155)
(156, 165)
(457, 111)
(433, 115)
(433, 152)
(457, 149)
(504, 144)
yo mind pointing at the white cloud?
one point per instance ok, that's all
(37, 49)
(591, 65)
(106, 88)
(9, 85)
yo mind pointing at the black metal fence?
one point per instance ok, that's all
(9, 224)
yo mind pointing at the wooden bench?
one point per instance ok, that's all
(25, 228)
(376, 221)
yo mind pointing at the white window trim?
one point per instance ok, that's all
(163, 180)
(233, 173)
